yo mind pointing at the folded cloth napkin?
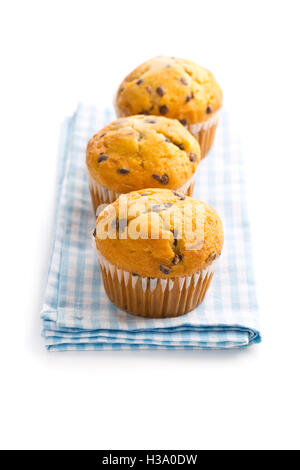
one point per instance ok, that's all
(77, 313)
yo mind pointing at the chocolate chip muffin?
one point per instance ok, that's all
(157, 251)
(141, 152)
(176, 88)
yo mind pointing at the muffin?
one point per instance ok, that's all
(157, 250)
(140, 152)
(175, 88)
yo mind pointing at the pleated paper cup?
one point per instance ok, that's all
(101, 195)
(154, 297)
(204, 132)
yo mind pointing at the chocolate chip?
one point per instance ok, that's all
(167, 139)
(146, 111)
(148, 90)
(177, 259)
(102, 157)
(180, 146)
(102, 135)
(163, 179)
(161, 207)
(122, 225)
(115, 224)
(209, 110)
(181, 196)
(164, 269)
(163, 109)
(175, 241)
(123, 171)
(119, 224)
(211, 257)
(94, 232)
(192, 157)
(150, 121)
(139, 82)
(188, 98)
(183, 81)
(160, 91)
(183, 122)
(156, 207)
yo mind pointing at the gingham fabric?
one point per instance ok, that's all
(77, 313)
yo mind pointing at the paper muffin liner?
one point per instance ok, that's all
(154, 297)
(101, 195)
(204, 132)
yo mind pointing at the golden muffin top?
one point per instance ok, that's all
(159, 233)
(141, 152)
(176, 88)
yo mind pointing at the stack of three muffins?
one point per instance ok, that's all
(156, 247)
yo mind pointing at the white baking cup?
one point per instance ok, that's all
(204, 132)
(205, 125)
(154, 297)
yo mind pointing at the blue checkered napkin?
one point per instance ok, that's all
(77, 313)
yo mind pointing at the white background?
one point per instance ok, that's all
(54, 54)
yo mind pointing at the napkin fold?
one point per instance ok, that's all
(77, 313)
